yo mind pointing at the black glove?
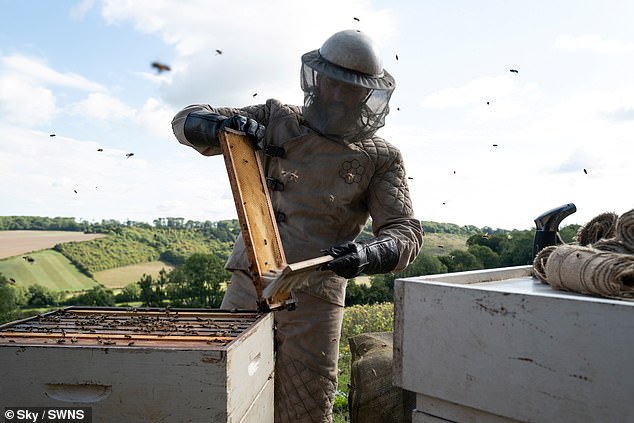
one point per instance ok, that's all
(203, 127)
(249, 126)
(377, 255)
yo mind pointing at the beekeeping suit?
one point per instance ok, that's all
(327, 173)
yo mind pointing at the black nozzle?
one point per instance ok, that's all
(547, 226)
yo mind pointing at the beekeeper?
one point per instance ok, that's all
(327, 173)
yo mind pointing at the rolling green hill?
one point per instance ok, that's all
(49, 269)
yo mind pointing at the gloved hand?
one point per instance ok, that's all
(377, 255)
(202, 128)
(249, 126)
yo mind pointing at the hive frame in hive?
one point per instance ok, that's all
(130, 327)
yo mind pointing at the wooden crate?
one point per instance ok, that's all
(142, 365)
(498, 345)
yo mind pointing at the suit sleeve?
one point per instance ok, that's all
(391, 207)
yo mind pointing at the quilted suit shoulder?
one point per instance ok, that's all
(272, 110)
(389, 184)
(382, 153)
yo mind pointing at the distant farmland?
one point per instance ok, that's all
(14, 243)
(52, 270)
(122, 276)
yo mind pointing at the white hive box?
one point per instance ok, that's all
(142, 365)
(498, 345)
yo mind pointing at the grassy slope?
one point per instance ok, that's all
(122, 276)
(50, 269)
(438, 244)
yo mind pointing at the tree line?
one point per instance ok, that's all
(223, 230)
(220, 229)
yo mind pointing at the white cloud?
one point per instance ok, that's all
(79, 10)
(63, 176)
(261, 45)
(193, 26)
(103, 107)
(478, 91)
(156, 117)
(592, 42)
(23, 103)
(153, 118)
(578, 160)
(36, 71)
(28, 89)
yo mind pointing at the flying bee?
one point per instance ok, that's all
(160, 67)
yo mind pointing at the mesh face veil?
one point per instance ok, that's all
(346, 89)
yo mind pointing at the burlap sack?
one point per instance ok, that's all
(612, 244)
(609, 232)
(588, 271)
(625, 229)
(600, 227)
(371, 397)
(539, 263)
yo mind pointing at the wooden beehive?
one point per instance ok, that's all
(498, 345)
(142, 365)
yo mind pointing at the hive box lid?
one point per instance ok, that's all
(501, 341)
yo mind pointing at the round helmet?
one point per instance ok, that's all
(346, 89)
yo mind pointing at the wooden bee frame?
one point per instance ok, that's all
(255, 214)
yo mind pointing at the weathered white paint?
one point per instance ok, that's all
(142, 384)
(451, 412)
(513, 347)
(422, 417)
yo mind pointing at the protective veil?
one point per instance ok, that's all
(346, 89)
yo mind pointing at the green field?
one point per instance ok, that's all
(122, 276)
(49, 269)
(438, 244)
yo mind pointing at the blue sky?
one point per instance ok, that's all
(562, 125)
